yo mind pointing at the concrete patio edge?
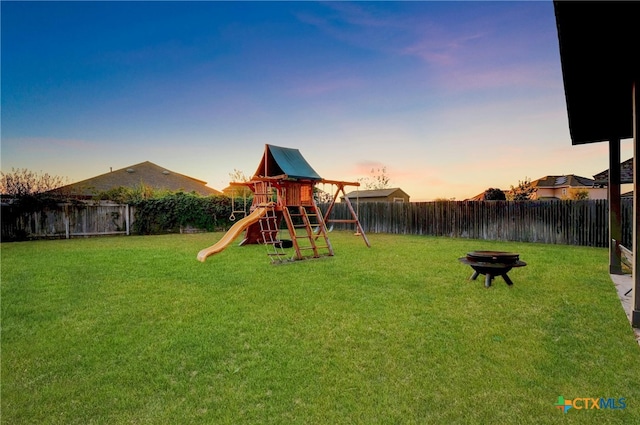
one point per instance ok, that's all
(623, 284)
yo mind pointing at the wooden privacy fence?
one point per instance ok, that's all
(554, 222)
(66, 221)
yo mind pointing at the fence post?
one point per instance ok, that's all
(126, 218)
(615, 229)
(635, 314)
(67, 230)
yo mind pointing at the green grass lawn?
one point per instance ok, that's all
(134, 330)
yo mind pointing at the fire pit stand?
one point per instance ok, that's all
(492, 264)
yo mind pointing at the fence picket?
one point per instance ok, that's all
(583, 222)
(66, 220)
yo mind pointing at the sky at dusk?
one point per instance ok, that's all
(450, 97)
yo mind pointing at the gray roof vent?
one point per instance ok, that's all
(166, 173)
(130, 170)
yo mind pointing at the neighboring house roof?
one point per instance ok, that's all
(551, 182)
(480, 196)
(376, 193)
(569, 180)
(626, 173)
(150, 174)
(237, 191)
(278, 161)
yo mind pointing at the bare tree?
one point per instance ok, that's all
(238, 176)
(377, 180)
(23, 182)
(244, 192)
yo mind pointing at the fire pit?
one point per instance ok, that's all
(492, 264)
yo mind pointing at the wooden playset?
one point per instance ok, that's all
(283, 188)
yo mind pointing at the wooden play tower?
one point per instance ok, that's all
(283, 188)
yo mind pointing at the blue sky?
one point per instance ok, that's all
(451, 97)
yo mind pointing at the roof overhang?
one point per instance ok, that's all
(285, 162)
(599, 44)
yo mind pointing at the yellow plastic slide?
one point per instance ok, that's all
(232, 233)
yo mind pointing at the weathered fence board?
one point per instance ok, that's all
(583, 222)
(66, 221)
(554, 222)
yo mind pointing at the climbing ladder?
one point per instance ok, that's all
(269, 235)
(301, 220)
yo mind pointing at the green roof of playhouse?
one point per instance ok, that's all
(278, 161)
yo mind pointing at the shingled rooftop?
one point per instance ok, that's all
(146, 173)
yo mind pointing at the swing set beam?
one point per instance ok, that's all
(340, 188)
(356, 220)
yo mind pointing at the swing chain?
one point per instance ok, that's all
(232, 217)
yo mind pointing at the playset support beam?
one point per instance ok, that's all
(355, 218)
(292, 184)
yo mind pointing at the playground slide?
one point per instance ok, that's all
(232, 233)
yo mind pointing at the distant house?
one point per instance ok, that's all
(564, 187)
(626, 177)
(379, 195)
(559, 187)
(146, 173)
(626, 174)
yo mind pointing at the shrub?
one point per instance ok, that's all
(169, 213)
(494, 194)
(130, 195)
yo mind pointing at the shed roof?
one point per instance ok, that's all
(375, 193)
(150, 174)
(599, 43)
(278, 161)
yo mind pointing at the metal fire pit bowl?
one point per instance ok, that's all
(492, 264)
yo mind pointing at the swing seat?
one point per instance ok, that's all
(232, 217)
